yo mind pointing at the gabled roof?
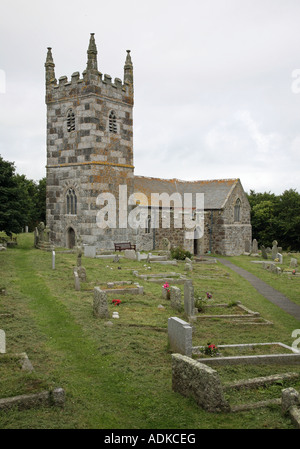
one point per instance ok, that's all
(215, 191)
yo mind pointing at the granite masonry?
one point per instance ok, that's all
(90, 152)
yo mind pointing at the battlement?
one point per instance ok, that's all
(92, 81)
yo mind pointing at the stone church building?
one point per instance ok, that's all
(90, 155)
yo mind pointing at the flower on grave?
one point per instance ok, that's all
(116, 302)
(294, 271)
(166, 286)
(210, 350)
(209, 295)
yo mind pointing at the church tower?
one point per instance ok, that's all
(89, 150)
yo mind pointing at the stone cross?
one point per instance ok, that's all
(264, 252)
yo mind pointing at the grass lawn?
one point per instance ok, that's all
(119, 376)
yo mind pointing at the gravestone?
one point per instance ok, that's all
(189, 298)
(81, 273)
(254, 247)
(90, 251)
(188, 267)
(247, 246)
(274, 250)
(76, 280)
(53, 260)
(180, 336)
(264, 252)
(2, 342)
(279, 257)
(193, 379)
(130, 254)
(175, 296)
(293, 263)
(100, 307)
(165, 292)
(116, 259)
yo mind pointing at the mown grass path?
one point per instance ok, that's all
(266, 290)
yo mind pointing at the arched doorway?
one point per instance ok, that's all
(70, 238)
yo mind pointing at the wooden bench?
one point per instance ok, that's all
(122, 246)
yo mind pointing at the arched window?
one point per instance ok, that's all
(71, 202)
(113, 123)
(70, 121)
(237, 210)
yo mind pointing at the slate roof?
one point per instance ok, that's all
(215, 191)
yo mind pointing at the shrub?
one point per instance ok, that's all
(180, 253)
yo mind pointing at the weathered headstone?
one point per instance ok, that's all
(2, 342)
(180, 336)
(254, 247)
(188, 267)
(53, 260)
(90, 251)
(130, 254)
(116, 259)
(193, 379)
(81, 273)
(279, 257)
(189, 298)
(293, 263)
(100, 307)
(264, 252)
(247, 246)
(289, 398)
(274, 250)
(76, 280)
(165, 292)
(175, 296)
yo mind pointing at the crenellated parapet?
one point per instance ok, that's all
(92, 80)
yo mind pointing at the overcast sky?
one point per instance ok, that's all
(216, 90)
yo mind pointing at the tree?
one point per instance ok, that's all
(22, 200)
(276, 217)
(11, 201)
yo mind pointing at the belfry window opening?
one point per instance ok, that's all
(70, 121)
(113, 123)
(71, 202)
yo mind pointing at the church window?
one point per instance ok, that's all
(70, 121)
(237, 210)
(112, 123)
(71, 202)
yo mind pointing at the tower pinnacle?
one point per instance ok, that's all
(128, 69)
(92, 54)
(49, 66)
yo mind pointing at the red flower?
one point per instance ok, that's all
(116, 302)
